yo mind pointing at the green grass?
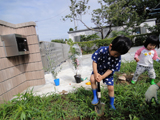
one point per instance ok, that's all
(129, 102)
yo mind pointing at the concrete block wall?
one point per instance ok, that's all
(20, 72)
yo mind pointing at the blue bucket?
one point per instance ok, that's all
(56, 81)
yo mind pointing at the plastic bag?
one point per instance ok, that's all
(75, 58)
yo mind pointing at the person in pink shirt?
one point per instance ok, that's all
(144, 58)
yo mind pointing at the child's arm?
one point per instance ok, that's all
(138, 52)
(106, 74)
(96, 74)
(101, 77)
(112, 68)
(155, 57)
(96, 56)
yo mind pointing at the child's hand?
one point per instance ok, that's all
(96, 76)
(136, 59)
(99, 78)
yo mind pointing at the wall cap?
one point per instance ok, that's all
(17, 25)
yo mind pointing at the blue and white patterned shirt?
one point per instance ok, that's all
(105, 62)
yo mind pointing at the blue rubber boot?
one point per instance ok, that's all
(112, 103)
(95, 99)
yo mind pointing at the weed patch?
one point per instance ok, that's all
(129, 102)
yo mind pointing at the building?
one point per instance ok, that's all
(75, 35)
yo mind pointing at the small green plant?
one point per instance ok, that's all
(52, 68)
(55, 72)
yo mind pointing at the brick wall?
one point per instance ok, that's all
(20, 72)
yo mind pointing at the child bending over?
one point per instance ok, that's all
(107, 60)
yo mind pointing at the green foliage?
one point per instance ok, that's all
(99, 19)
(87, 47)
(71, 29)
(55, 72)
(119, 33)
(128, 67)
(89, 37)
(112, 13)
(129, 102)
(131, 13)
(52, 68)
(70, 42)
(58, 41)
(154, 29)
(77, 9)
(140, 40)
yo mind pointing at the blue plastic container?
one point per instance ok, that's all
(56, 81)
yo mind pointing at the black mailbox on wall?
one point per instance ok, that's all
(15, 44)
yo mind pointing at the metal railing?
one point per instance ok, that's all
(53, 54)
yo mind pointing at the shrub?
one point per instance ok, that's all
(91, 46)
(71, 29)
(89, 37)
(58, 41)
(139, 40)
(117, 33)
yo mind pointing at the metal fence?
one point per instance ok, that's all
(53, 54)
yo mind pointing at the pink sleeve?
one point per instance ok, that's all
(155, 55)
(138, 52)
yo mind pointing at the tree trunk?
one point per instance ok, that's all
(110, 30)
(102, 33)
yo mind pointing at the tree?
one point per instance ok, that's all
(77, 10)
(130, 13)
(155, 13)
(153, 29)
(119, 13)
(99, 19)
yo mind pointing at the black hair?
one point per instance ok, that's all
(153, 39)
(121, 44)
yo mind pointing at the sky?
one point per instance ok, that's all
(47, 14)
